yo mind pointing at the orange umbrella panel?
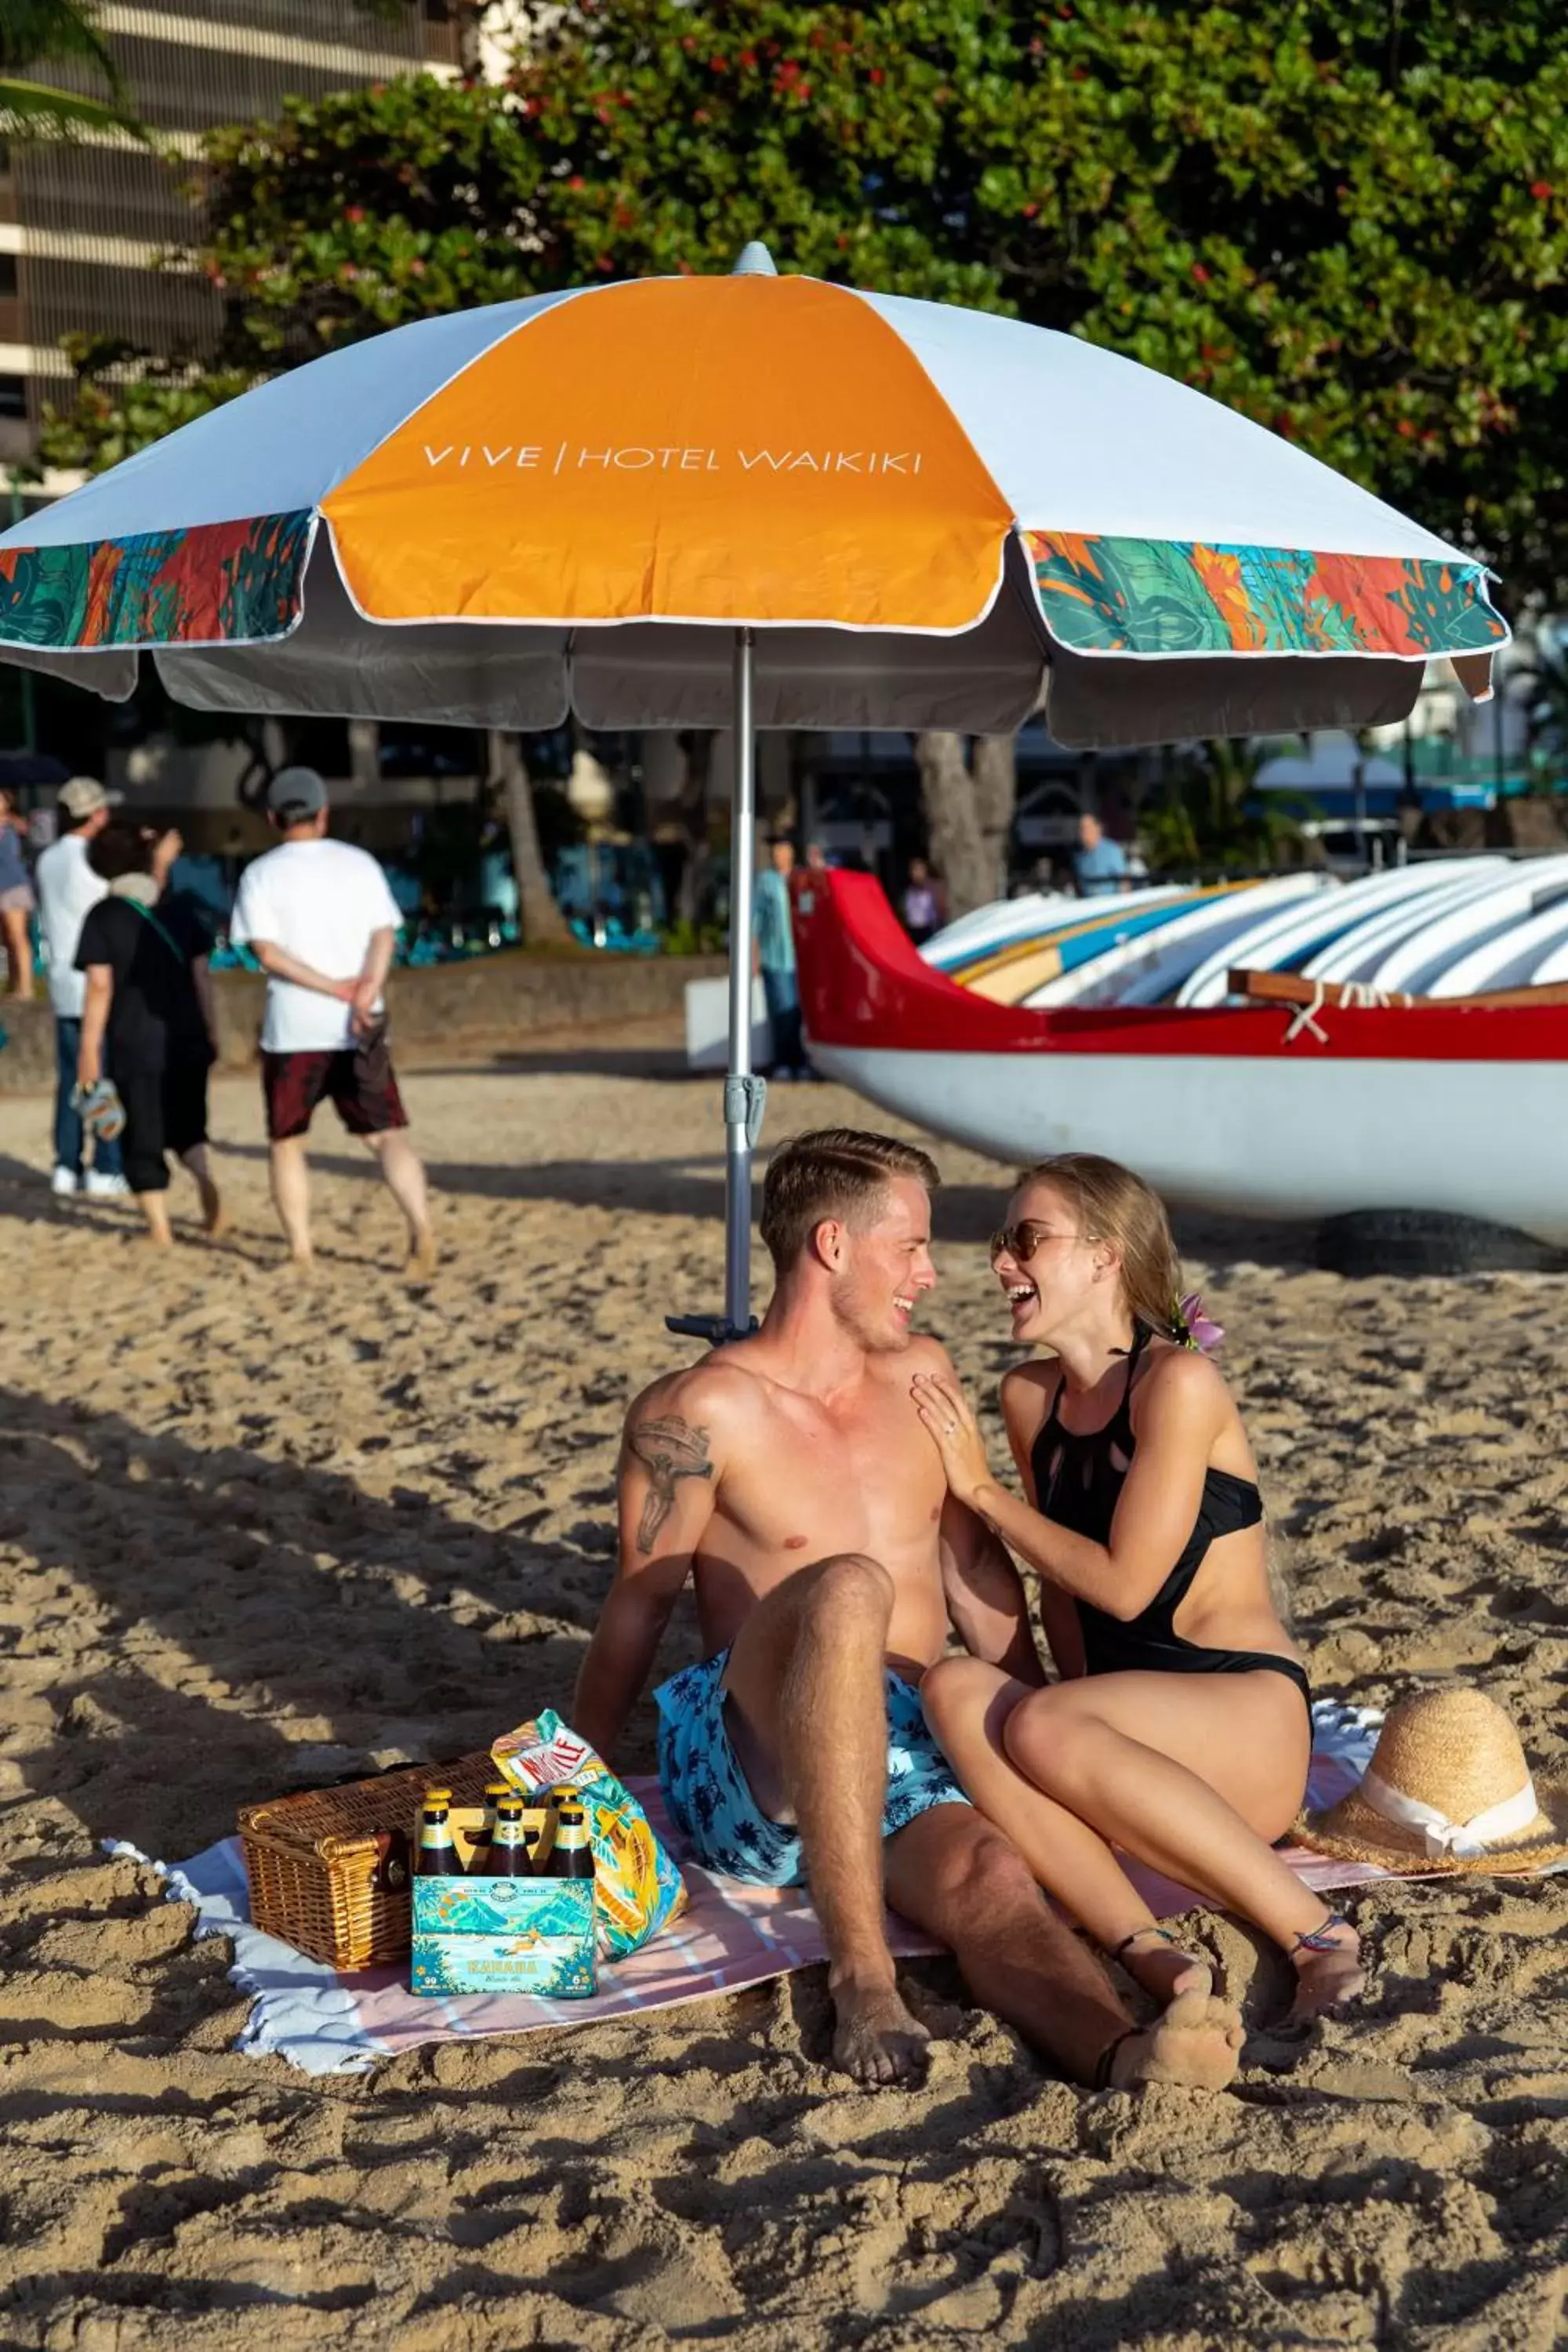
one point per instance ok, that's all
(611, 460)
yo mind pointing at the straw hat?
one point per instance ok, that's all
(1448, 1790)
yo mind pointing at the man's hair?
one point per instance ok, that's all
(292, 814)
(836, 1171)
(120, 848)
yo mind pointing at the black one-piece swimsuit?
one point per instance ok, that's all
(1079, 1483)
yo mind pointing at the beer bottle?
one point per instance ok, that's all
(438, 1856)
(480, 1844)
(571, 1856)
(508, 1856)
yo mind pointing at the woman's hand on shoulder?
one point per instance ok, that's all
(949, 1422)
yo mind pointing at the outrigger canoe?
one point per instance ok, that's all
(1257, 1109)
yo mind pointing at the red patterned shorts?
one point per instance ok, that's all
(359, 1082)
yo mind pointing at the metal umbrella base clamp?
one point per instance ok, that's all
(757, 501)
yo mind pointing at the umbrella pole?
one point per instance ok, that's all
(744, 1093)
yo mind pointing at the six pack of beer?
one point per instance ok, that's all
(558, 1870)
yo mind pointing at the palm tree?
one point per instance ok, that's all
(1545, 701)
(58, 32)
(1212, 816)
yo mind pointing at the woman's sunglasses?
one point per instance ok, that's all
(1021, 1241)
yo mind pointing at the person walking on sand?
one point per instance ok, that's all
(322, 922)
(1181, 1728)
(147, 1022)
(67, 888)
(789, 1476)
(772, 929)
(16, 899)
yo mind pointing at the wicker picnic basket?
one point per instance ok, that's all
(329, 1868)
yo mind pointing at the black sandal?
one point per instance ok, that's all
(1198, 1959)
(1164, 1933)
(1106, 2060)
(1321, 1939)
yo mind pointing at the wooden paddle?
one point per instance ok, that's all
(1292, 988)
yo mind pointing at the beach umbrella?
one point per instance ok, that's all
(756, 502)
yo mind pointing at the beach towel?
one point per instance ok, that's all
(729, 1936)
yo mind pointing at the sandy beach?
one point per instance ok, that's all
(257, 1532)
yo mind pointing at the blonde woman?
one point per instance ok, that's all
(1180, 1729)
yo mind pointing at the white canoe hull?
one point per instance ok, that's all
(1268, 1138)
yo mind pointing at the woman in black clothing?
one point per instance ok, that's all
(147, 1022)
(1180, 1726)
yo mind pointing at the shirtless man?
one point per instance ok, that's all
(790, 1475)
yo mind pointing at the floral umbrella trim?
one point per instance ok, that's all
(1180, 596)
(214, 583)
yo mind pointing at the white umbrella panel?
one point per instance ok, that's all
(758, 501)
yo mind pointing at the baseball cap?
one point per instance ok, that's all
(84, 796)
(296, 788)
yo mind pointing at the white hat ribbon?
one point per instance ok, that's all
(1442, 1835)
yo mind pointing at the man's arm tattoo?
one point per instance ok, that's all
(669, 1449)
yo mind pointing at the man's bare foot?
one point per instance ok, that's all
(875, 2039)
(1197, 2043)
(421, 1262)
(1153, 1958)
(1328, 1970)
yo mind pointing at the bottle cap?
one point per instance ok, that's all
(499, 1789)
(438, 1796)
(511, 1802)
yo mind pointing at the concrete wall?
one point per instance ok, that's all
(484, 1004)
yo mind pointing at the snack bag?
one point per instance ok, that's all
(638, 1888)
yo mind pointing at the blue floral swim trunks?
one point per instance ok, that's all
(710, 1798)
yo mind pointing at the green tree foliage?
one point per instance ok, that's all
(1211, 818)
(57, 33)
(1346, 218)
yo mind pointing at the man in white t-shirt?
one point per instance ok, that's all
(322, 922)
(67, 888)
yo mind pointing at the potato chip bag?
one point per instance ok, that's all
(637, 1889)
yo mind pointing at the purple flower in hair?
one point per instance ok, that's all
(1194, 1328)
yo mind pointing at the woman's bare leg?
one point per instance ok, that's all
(1192, 1775)
(968, 1705)
(154, 1207)
(1195, 1775)
(18, 951)
(200, 1165)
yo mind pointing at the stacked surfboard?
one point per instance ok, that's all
(1113, 1026)
(1442, 929)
